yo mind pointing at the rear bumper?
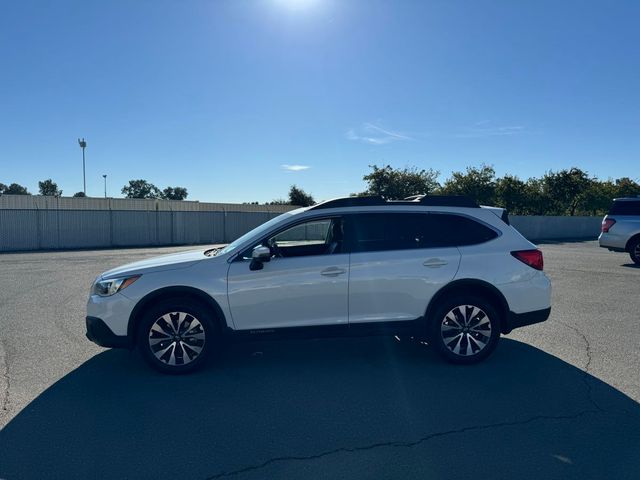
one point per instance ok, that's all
(100, 334)
(613, 242)
(517, 320)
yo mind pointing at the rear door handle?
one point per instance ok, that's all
(434, 262)
(332, 271)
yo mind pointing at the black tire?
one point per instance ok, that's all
(634, 251)
(186, 348)
(446, 337)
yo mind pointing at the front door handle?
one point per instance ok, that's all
(434, 262)
(332, 271)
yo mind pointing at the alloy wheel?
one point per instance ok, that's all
(176, 338)
(466, 330)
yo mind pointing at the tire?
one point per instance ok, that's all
(634, 251)
(464, 329)
(177, 336)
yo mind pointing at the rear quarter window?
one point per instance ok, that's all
(459, 231)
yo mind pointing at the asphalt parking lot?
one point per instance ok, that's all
(556, 400)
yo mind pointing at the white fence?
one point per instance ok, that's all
(40, 223)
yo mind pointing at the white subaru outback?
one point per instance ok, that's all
(435, 267)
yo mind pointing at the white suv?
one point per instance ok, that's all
(434, 267)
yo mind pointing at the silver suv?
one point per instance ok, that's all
(621, 228)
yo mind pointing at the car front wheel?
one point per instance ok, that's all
(465, 329)
(176, 336)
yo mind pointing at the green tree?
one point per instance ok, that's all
(397, 184)
(625, 187)
(141, 189)
(3, 188)
(278, 201)
(49, 188)
(299, 197)
(79, 194)
(511, 193)
(596, 200)
(537, 201)
(16, 189)
(566, 189)
(174, 193)
(477, 183)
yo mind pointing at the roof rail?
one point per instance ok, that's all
(416, 200)
(351, 202)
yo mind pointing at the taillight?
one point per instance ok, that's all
(533, 258)
(607, 223)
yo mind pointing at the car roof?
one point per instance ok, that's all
(416, 200)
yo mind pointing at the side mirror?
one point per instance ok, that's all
(259, 255)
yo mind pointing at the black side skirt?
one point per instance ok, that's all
(415, 327)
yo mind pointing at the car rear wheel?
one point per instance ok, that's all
(634, 251)
(465, 329)
(176, 336)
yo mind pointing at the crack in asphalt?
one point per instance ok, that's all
(399, 444)
(587, 366)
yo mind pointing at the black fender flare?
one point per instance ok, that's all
(477, 286)
(173, 291)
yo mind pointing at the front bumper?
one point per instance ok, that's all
(99, 333)
(114, 311)
(517, 320)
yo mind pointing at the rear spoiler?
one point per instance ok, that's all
(499, 212)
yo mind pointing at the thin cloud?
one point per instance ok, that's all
(483, 130)
(375, 135)
(295, 168)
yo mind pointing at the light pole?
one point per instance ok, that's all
(83, 145)
(105, 185)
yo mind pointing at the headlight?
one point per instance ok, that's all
(106, 288)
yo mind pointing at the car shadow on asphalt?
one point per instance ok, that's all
(630, 265)
(332, 408)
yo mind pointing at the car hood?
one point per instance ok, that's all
(157, 264)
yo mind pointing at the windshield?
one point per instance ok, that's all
(255, 232)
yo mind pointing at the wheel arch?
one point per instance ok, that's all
(635, 237)
(182, 292)
(481, 287)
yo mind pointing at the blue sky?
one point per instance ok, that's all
(236, 100)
